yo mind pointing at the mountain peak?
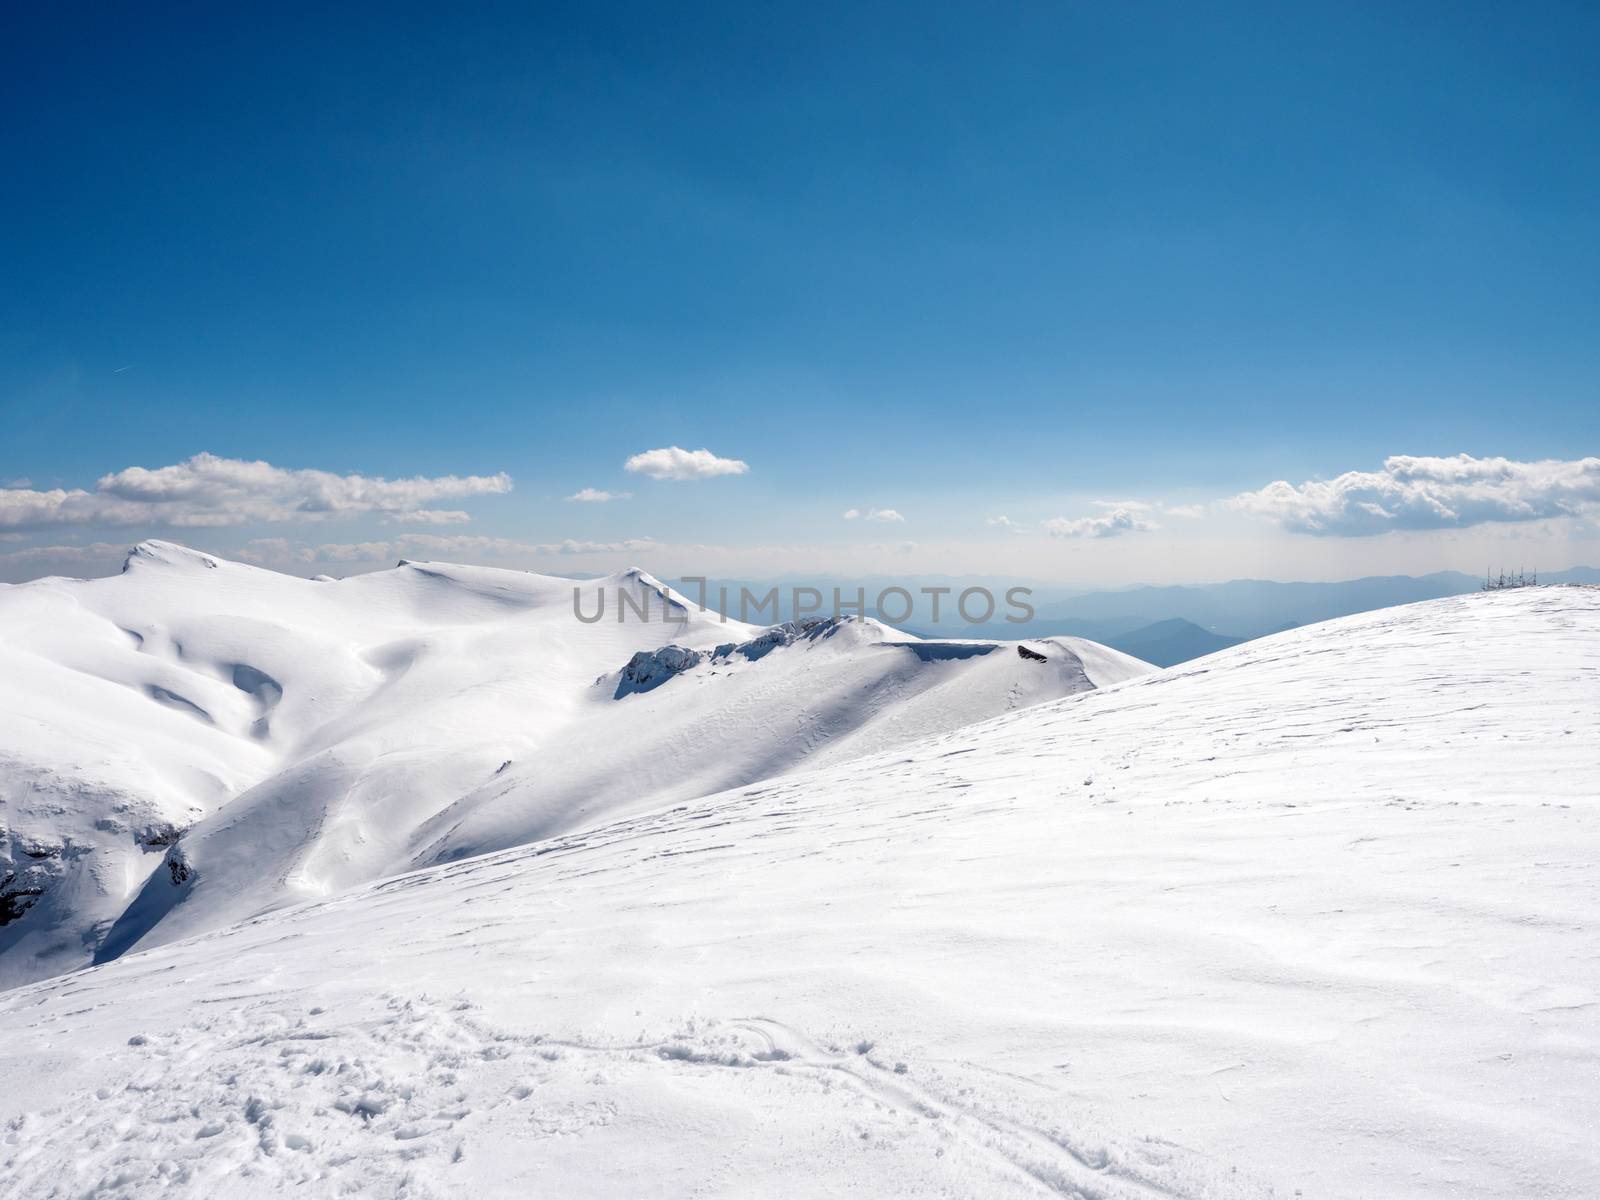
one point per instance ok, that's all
(171, 554)
(640, 576)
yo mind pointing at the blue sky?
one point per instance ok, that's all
(955, 264)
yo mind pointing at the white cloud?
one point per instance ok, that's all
(1188, 512)
(17, 483)
(1112, 523)
(443, 546)
(678, 464)
(206, 491)
(96, 554)
(1017, 528)
(596, 496)
(873, 514)
(281, 551)
(470, 544)
(274, 549)
(626, 546)
(1431, 493)
(429, 516)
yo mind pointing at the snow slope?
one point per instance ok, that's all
(195, 741)
(1315, 916)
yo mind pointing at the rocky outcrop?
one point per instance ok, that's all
(651, 668)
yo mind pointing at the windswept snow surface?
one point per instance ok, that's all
(196, 741)
(1314, 916)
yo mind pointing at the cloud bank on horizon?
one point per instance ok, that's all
(1413, 492)
(1408, 494)
(268, 551)
(207, 491)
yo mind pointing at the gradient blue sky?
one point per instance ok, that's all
(957, 261)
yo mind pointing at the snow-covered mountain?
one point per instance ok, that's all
(1312, 916)
(195, 741)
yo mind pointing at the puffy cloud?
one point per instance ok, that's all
(873, 514)
(1188, 512)
(208, 491)
(596, 496)
(24, 508)
(1112, 523)
(1413, 492)
(677, 464)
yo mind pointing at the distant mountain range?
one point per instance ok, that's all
(1166, 643)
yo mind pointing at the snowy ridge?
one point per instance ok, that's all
(1100, 666)
(1313, 914)
(650, 668)
(196, 741)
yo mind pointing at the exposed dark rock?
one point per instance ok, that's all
(15, 898)
(651, 668)
(160, 835)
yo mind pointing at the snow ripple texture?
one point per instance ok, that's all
(1314, 915)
